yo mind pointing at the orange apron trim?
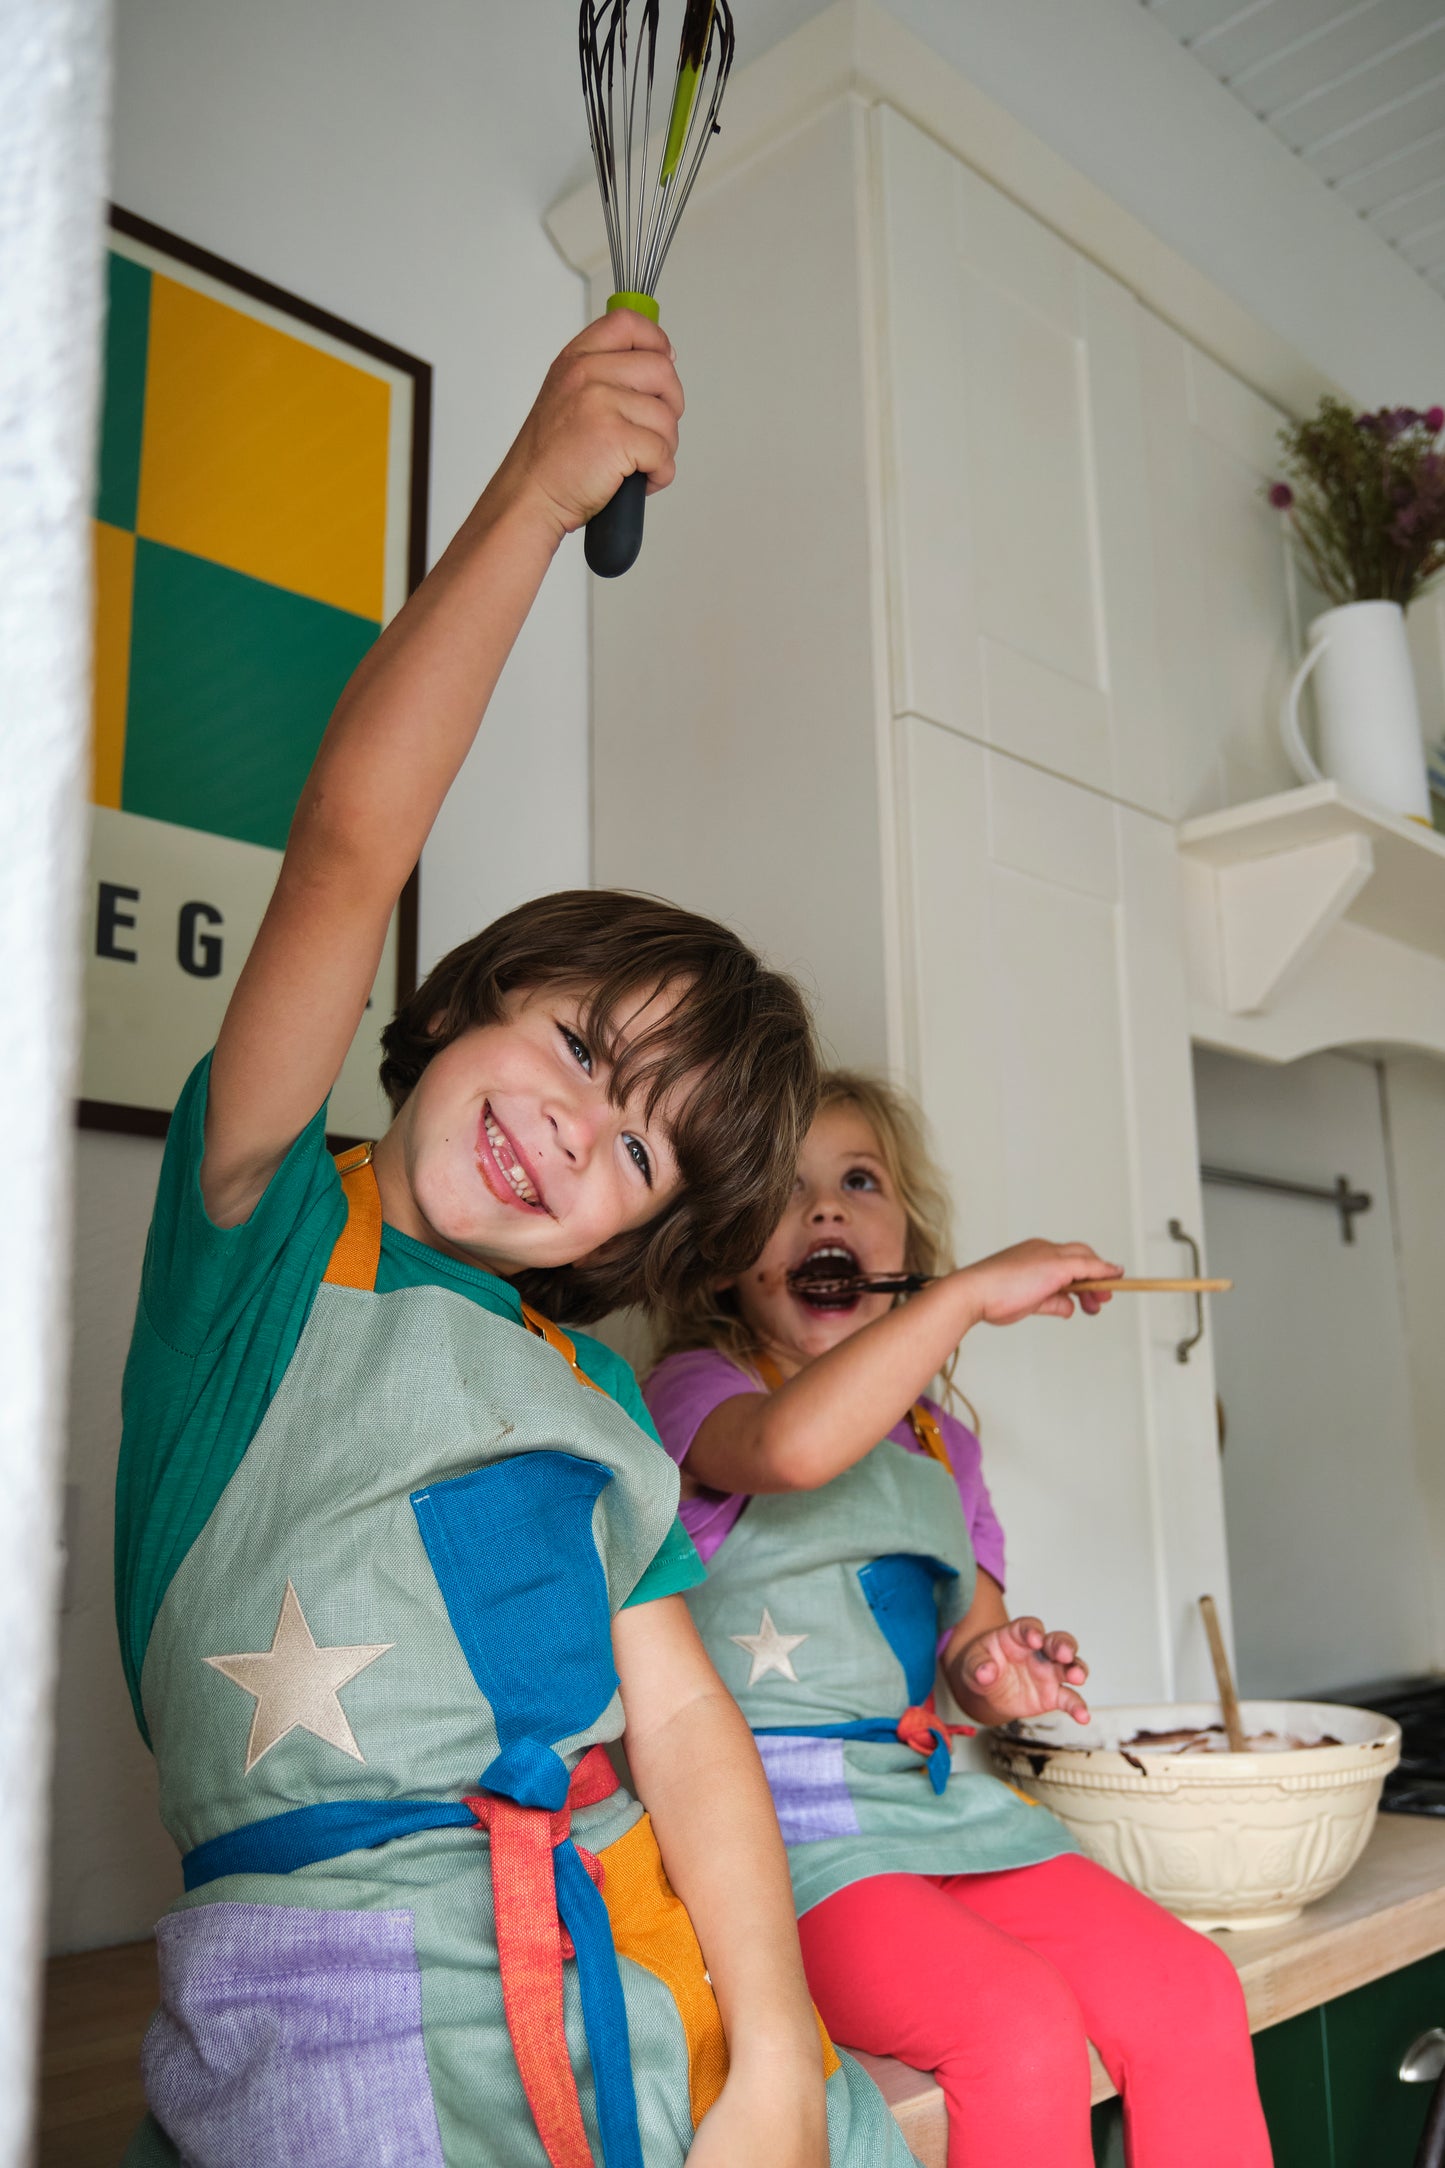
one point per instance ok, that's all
(555, 1337)
(358, 1247)
(650, 1924)
(531, 1945)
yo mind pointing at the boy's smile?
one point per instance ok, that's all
(511, 1155)
(844, 1210)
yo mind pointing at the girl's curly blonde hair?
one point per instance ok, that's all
(709, 1316)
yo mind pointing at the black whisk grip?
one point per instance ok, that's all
(614, 535)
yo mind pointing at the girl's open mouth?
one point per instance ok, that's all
(501, 1165)
(829, 1261)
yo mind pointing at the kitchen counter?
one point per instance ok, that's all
(1388, 1911)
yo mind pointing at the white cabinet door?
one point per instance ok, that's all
(1020, 557)
(1228, 598)
(1051, 1051)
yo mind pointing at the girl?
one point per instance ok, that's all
(389, 1542)
(944, 1919)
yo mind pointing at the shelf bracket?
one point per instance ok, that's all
(1272, 913)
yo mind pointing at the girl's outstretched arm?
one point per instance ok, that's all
(402, 728)
(697, 1772)
(840, 1404)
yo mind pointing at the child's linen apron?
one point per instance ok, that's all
(378, 1689)
(822, 1610)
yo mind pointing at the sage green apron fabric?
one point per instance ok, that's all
(386, 1398)
(786, 1620)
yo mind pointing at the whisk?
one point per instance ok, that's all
(642, 201)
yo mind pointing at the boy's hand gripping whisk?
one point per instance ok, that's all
(642, 203)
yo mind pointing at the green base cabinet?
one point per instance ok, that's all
(1329, 2079)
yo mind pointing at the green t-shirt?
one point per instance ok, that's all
(220, 1313)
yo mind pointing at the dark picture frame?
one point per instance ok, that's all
(275, 322)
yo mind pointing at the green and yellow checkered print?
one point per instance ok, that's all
(240, 540)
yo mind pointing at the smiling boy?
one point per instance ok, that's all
(395, 1557)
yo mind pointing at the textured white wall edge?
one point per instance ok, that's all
(53, 91)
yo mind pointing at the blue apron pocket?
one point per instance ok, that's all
(291, 2038)
(514, 1555)
(902, 1593)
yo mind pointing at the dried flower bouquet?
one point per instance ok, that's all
(1365, 498)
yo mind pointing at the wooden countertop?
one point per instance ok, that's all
(1388, 1911)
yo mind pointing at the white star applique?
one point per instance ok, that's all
(295, 1684)
(770, 1650)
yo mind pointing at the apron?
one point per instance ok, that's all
(822, 1610)
(424, 1927)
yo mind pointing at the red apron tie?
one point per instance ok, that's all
(531, 1944)
(925, 1731)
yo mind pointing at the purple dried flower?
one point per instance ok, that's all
(1398, 420)
(1281, 496)
(1434, 419)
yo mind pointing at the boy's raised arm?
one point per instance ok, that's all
(610, 405)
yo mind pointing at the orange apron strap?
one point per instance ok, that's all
(358, 1247)
(923, 1422)
(925, 1429)
(555, 1337)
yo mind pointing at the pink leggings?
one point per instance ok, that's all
(996, 1982)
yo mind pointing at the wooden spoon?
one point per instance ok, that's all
(1223, 1677)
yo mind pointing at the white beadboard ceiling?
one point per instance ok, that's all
(1356, 88)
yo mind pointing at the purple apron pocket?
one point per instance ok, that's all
(291, 2038)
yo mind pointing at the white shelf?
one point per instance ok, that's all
(1268, 881)
(1403, 893)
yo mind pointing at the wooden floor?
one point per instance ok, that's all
(97, 2007)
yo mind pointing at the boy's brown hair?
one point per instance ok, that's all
(741, 1029)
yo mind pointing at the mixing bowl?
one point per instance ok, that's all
(1221, 1839)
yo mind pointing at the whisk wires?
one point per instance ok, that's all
(644, 194)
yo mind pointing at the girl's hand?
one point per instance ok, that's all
(1033, 1278)
(1018, 1670)
(610, 404)
(768, 2118)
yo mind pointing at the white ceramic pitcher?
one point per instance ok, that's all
(1369, 717)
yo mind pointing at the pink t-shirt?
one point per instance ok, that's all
(684, 1389)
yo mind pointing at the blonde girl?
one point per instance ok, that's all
(851, 1545)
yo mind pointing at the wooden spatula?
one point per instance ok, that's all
(1223, 1677)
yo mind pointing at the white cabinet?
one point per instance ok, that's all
(1051, 1051)
(1023, 605)
(943, 627)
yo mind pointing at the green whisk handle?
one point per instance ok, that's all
(614, 535)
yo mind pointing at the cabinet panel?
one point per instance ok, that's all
(1228, 598)
(1377, 2120)
(1038, 1036)
(1289, 2062)
(1021, 567)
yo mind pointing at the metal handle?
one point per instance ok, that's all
(1424, 2059)
(1178, 1233)
(1423, 2063)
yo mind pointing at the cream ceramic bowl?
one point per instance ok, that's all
(1221, 1839)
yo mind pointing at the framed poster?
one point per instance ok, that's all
(260, 513)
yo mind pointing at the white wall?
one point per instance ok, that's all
(53, 81)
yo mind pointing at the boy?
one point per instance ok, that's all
(388, 1544)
